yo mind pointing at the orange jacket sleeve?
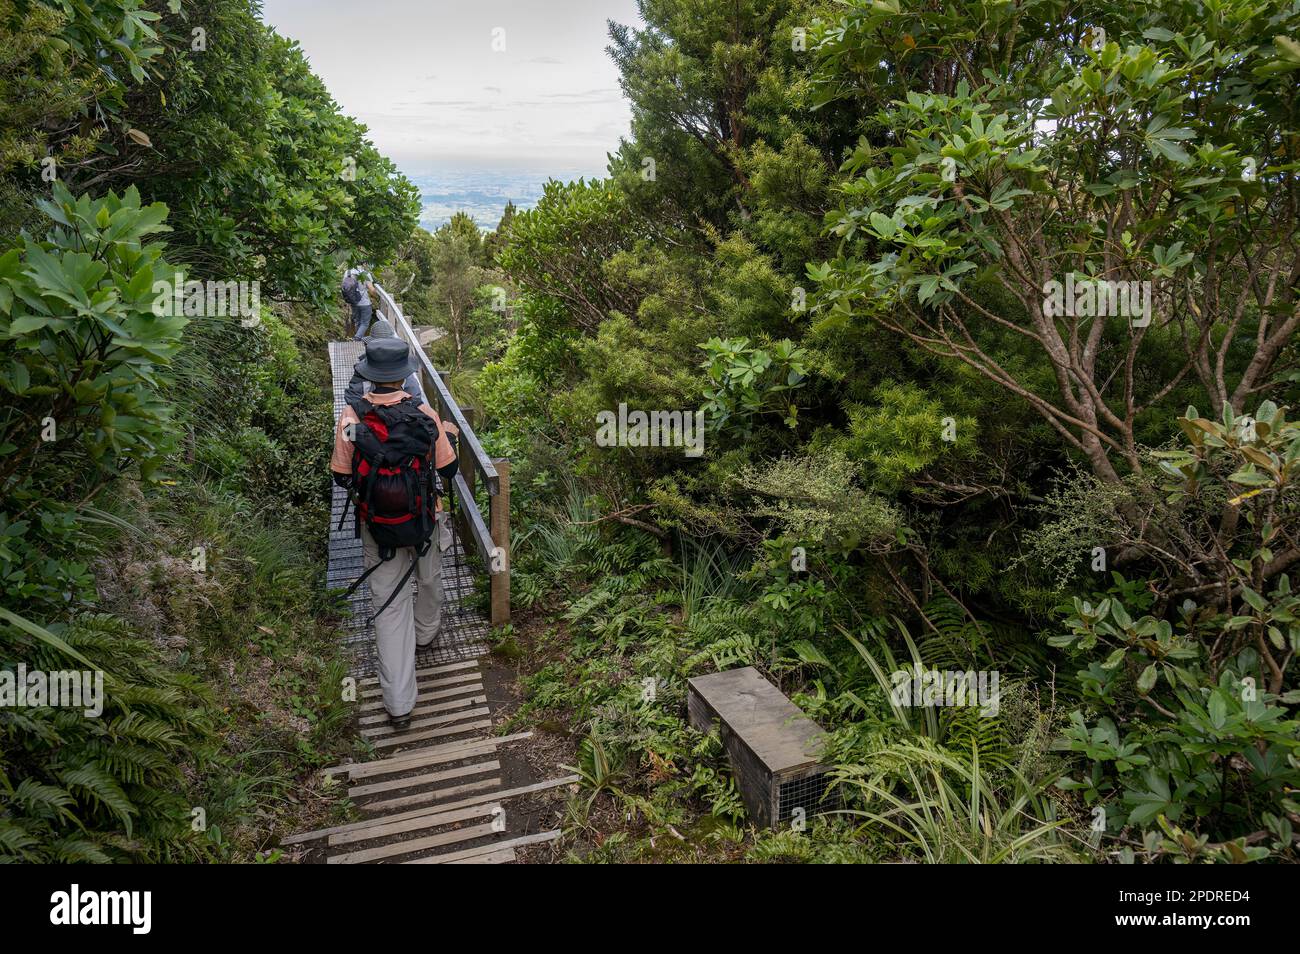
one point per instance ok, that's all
(442, 452)
(341, 459)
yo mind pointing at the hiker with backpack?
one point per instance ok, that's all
(389, 450)
(357, 286)
(359, 386)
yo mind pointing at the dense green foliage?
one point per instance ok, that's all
(834, 228)
(833, 231)
(163, 472)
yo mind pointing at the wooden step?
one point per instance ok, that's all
(406, 738)
(431, 671)
(480, 850)
(502, 856)
(493, 798)
(412, 846)
(424, 798)
(428, 778)
(436, 820)
(447, 706)
(470, 687)
(431, 753)
(454, 680)
(458, 715)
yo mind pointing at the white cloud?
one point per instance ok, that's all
(423, 76)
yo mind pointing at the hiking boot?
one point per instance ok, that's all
(399, 723)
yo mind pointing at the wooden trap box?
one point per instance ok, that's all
(773, 747)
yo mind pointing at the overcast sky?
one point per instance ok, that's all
(423, 75)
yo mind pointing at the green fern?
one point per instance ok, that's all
(42, 800)
(75, 789)
(101, 789)
(15, 839)
(735, 649)
(71, 851)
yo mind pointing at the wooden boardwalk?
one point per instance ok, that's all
(465, 627)
(432, 793)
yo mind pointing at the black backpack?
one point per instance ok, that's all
(394, 481)
(351, 290)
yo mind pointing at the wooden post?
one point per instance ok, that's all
(499, 524)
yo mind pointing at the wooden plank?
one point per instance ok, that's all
(430, 809)
(499, 514)
(406, 738)
(385, 731)
(427, 710)
(490, 798)
(428, 778)
(407, 847)
(378, 705)
(418, 757)
(421, 798)
(479, 850)
(502, 856)
(399, 763)
(422, 758)
(431, 671)
(430, 684)
(434, 820)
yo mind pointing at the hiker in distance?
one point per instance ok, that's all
(358, 386)
(358, 284)
(386, 451)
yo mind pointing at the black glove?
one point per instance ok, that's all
(448, 472)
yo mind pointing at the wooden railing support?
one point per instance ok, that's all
(466, 455)
(499, 521)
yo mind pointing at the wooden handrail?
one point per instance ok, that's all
(490, 539)
(479, 534)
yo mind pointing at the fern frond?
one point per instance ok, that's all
(102, 790)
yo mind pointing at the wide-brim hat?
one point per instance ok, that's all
(386, 359)
(380, 328)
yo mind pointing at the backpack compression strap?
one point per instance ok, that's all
(420, 553)
(384, 557)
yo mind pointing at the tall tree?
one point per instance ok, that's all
(456, 272)
(1156, 146)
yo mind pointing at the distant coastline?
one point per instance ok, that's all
(483, 193)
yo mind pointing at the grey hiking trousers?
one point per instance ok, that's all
(409, 620)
